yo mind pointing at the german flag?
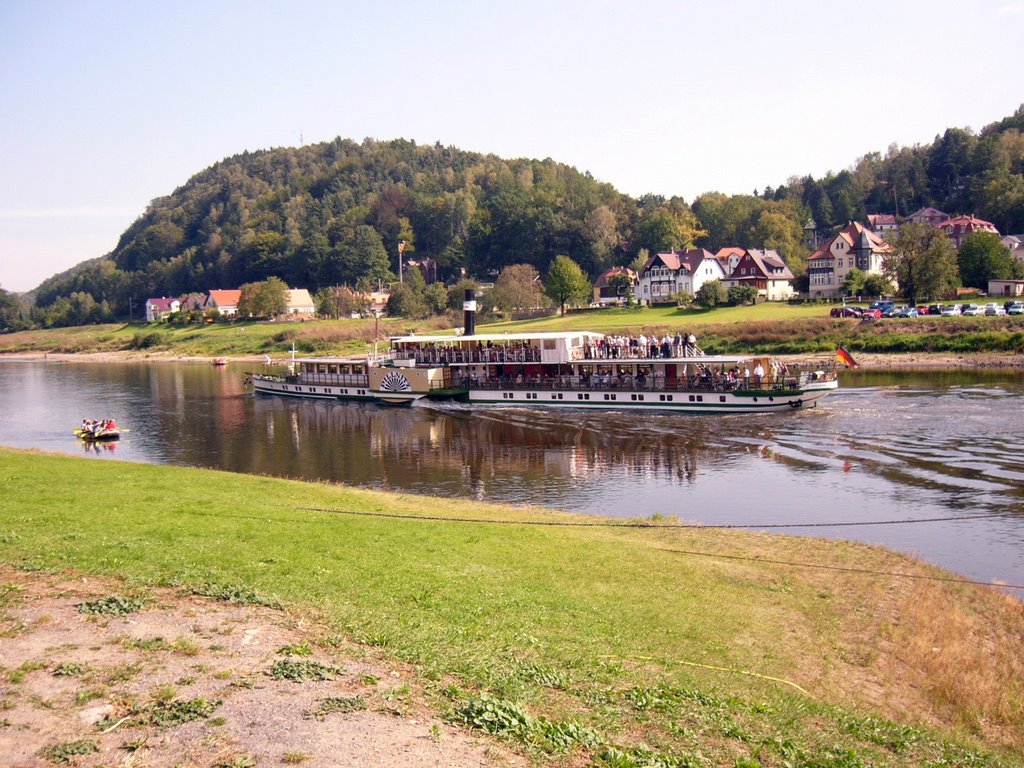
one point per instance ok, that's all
(844, 357)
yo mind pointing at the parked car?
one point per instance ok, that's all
(951, 311)
(884, 305)
(971, 310)
(907, 312)
(876, 312)
(993, 310)
(1016, 308)
(923, 310)
(935, 309)
(846, 312)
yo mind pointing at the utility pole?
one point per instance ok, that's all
(131, 305)
(401, 250)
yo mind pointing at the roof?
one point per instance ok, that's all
(852, 233)
(299, 297)
(502, 337)
(162, 304)
(608, 274)
(881, 219)
(695, 257)
(670, 260)
(771, 264)
(968, 221)
(928, 213)
(225, 298)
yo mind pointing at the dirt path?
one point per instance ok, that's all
(193, 681)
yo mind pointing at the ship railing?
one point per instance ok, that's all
(628, 383)
(433, 356)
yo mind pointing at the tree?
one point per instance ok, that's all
(878, 285)
(853, 285)
(982, 258)
(622, 283)
(566, 283)
(339, 301)
(922, 262)
(738, 295)
(711, 294)
(265, 298)
(517, 287)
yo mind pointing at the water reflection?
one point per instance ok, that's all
(888, 446)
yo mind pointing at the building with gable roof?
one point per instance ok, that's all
(224, 301)
(931, 216)
(766, 272)
(299, 302)
(1016, 245)
(729, 257)
(853, 246)
(883, 224)
(959, 227)
(606, 294)
(158, 309)
(666, 275)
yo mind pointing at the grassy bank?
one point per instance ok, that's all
(621, 646)
(769, 328)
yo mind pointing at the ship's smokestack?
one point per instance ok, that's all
(469, 313)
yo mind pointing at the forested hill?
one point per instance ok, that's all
(335, 213)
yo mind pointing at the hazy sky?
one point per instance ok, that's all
(106, 105)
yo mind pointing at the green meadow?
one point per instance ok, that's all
(576, 640)
(772, 328)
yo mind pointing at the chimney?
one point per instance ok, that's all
(469, 313)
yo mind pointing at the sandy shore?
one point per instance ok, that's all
(907, 361)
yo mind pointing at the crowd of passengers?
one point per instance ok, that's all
(642, 347)
(605, 348)
(705, 379)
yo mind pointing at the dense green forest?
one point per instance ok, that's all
(335, 213)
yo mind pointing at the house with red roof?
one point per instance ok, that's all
(766, 271)
(959, 227)
(931, 216)
(729, 257)
(224, 301)
(667, 275)
(854, 246)
(159, 309)
(883, 224)
(607, 294)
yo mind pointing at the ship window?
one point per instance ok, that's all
(700, 398)
(586, 395)
(721, 398)
(692, 399)
(579, 396)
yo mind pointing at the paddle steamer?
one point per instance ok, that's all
(561, 369)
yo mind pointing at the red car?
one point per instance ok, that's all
(846, 312)
(876, 313)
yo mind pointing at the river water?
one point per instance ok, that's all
(889, 446)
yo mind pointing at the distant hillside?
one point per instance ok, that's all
(334, 213)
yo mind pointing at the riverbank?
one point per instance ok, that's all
(599, 644)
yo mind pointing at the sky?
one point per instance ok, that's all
(106, 105)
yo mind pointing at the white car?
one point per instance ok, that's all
(971, 310)
(1015, 309)
(951, 311)
(993, 310)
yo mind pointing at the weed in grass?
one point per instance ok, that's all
(185, 646)
(342, 704)
(233, 593)
(17, 675)
(70, 669)
(299, 649)
(134, 746)
(541, 674)
(896, 738)
(218, 721)
(302, 671)
(89, 694)
(293, 758)
(10, 591)
(611, 757)
(234, 761)
(145, 644)
(367, 679)
(511, 721)
(66, 753)
(166, 712)
(122, 673)
(436, 734)
(114, 605)
(187, 680)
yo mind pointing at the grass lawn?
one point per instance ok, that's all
(621, 646)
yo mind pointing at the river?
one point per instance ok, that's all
(889, 446)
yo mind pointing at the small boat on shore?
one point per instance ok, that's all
(93, 430)
(219, 361)
(559, 369)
